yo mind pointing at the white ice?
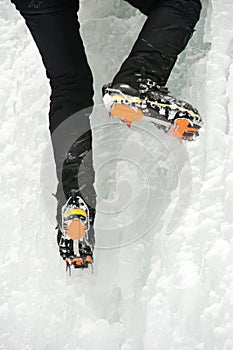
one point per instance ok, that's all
(168, 207)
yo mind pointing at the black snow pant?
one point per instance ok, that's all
(55, 29)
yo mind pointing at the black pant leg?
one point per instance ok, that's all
(57, 36)
(55, 29)
(164, 36)
(144, 5)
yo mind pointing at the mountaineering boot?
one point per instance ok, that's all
(146, 100)
(72, 237)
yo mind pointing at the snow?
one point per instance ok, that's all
(164, 259)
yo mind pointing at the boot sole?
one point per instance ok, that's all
(131, 110)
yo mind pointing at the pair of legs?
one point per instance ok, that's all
(55, 29)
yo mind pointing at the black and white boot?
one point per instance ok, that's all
(73, 241)
(146, 100)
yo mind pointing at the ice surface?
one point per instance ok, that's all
(171, 288)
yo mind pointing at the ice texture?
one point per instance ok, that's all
(171, 286)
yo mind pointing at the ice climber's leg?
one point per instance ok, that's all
(138, 91)
(164, 36)
(55, 29)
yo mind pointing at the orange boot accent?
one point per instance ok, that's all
(180, 127)
(68, 261)
(76, 230)
(78, 261)
(126, 113)
(89, 259)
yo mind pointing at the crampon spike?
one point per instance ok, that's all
(180, 127)
(68, 266)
